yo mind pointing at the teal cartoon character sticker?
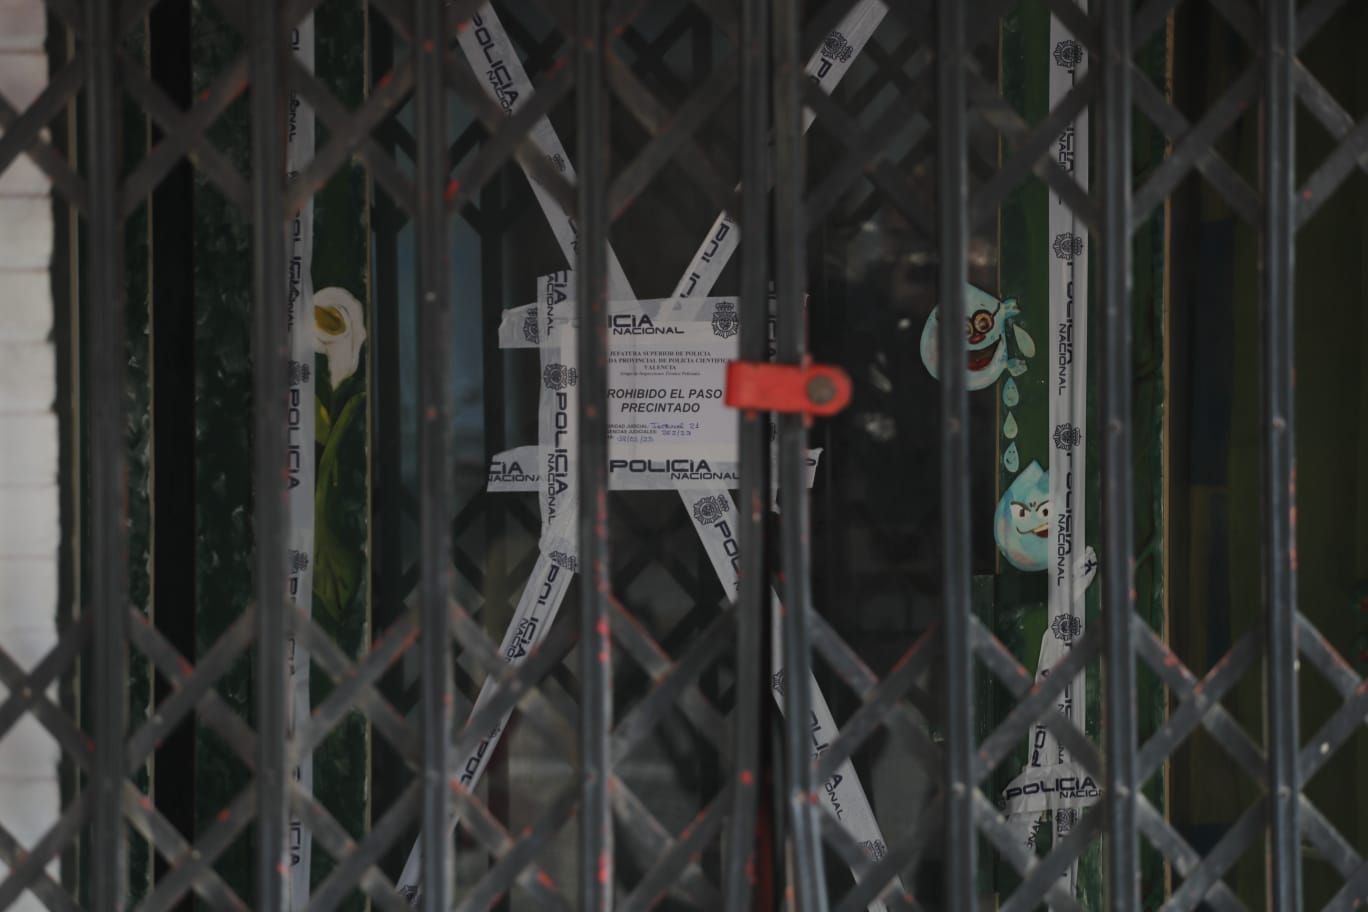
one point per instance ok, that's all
(1021, 526)
(989, 343)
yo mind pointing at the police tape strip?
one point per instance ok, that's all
(518, 471)
(1051, 784)
(518, 327)
(490, 52)
(713, 514)
(300, 431)
(826, 68)
(1067, 251)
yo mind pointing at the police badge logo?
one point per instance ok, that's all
(835, 47)
(1068, 54)
(529, 327)
(1066, 627)
(567, 561)
(1068, 245)
(710, 510)
(874, 849)
(777, 682)
(1067, 436)
(299, 373)
(724, 322)
(558, 376)
(299, 561)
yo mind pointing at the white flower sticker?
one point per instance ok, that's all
(340, 329)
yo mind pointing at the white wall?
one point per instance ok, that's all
(29, 529)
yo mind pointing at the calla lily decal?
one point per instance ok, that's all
(340, 329)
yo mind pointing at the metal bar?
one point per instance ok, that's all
(356, 688)
(108, 511)
(674, 861)
(1313, 645)
(1048, 871)
(23, 132)
(1196, 703)
(27, 864)
(1188, 140)
(363, 864)
(184, 691)
(1032, 707)
(806, 875)
(166, 840)
(591, 339)
(515, 862)
(752, 685)
(434, 411)
(186, 134)
(1120, 783)
(333, 839)
(903, 855)
(1009, 846)
(487, 829)
(879, 704)
(674, 686)
(165, 156)
(1182, 856)
(1279, 476)
(691, 886)
(270, 352)
(953, 213)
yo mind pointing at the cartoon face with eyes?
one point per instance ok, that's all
(1021, 525)
(985, 330)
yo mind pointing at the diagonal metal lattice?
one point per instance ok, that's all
(945, 154)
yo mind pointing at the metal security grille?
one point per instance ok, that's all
(948, 187)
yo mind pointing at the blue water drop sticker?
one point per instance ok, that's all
(1009, 427)
(1021, 523)
(1010, 460)
(1010, 394)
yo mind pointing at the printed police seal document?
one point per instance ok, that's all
(667, 365)
(668, 424)
(665, 386)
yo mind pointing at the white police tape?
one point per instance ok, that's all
(826, 68)
(1071, 564)
(518, 471)
(518, 327)
(300, 436)
(490, 52)
(714, 517)
(1051, 785)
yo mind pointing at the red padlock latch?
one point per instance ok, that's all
(808, 389)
